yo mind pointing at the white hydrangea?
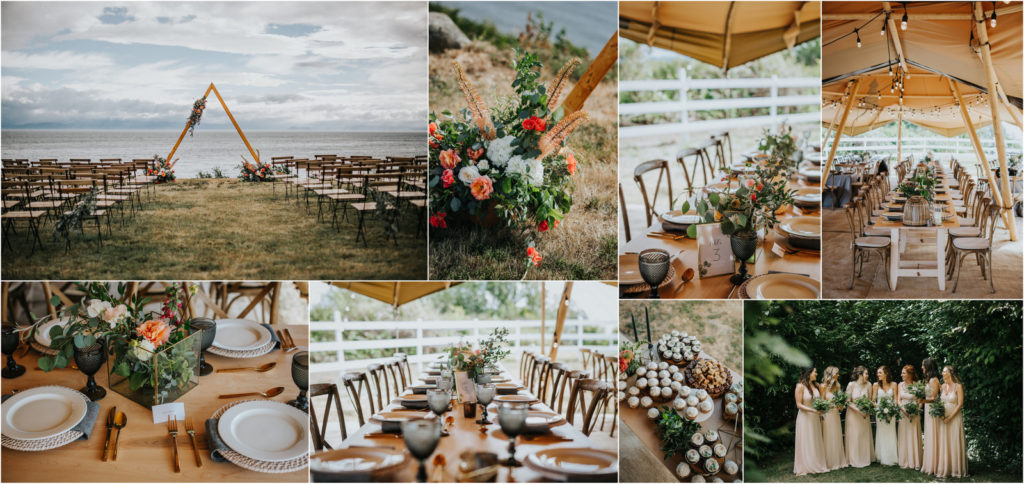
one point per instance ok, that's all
(500, 151)
(143, 349)
(468, 174)
(518, 165)
(536, 172)
(483, 165)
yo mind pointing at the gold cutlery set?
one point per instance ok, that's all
(172, 430)
(287, 343)
(115, 420)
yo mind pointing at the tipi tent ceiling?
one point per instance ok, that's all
(723, 34)
(395, 293)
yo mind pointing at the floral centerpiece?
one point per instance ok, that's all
(887, 410)
(152, 358)
(477, 361)
(197, 113)
(162, 170)
(509, 162)
(255, 172)
(920, 185)
(780, 146)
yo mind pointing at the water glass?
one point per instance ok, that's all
(512, 418)
(653, 264)
(89, 361)
(421, 437)
(209, 329)
(484, 395)
(438, 401)
(300, 375)
(10, 344)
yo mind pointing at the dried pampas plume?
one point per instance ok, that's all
(477, 108)
(559, 84)
(554, 137)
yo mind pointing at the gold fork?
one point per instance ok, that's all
(172, 429)
(192, 434)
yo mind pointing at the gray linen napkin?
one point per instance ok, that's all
(214, 441)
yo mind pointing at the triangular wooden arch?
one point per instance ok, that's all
(230, 116)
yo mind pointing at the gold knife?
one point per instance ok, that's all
(288, 334)
(110, 427)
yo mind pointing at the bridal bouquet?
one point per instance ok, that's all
(937, 410)
(840, 399)
(917, 389)
(865, 405)
(822, 405)
(888, 410)
(509, 161)
(912, 409)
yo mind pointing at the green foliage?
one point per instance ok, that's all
(71, 220)
(822, 405)
(981, 339)
(749, 208)
(675, 432)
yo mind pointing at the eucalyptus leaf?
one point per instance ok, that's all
(45, 363)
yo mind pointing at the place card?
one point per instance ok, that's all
(163, 413)
(714, 252)
(776, 249)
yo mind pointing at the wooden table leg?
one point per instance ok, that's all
(940, 257)
(894, 257)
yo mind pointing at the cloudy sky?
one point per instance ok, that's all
(279, 65)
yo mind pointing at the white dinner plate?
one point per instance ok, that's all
(802, 227)
(811, 172)
(535, 417)
(572, 461)
(814, 157)
(808, 195)
(515, 398)
(357, 460)
(681, 218)
(265, 430)
(240, 335)
(42, 412)
(43, 331)
(783, 286)
(629, 271)
(398, 416)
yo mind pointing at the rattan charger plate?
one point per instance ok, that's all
(644, 287)
(262, 350)
(59, 440)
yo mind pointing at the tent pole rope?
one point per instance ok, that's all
(852, 87)
(997, 126)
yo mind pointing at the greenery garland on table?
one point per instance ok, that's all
(72, 219)
(197, 113)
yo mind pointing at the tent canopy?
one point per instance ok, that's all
(395, 293)
(723, 34)
(935, 46)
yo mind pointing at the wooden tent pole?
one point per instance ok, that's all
(997, 125)
(1014, 112)
(852, 87)
(895, 34)
(543, 314)
(563, 310)
(831, 126)
(979, 152)
(232, 118)
(188, 123)
(899, 137)
(592, 77)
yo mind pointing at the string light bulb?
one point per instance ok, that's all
(857, 33)
(903, 23)
(993, 15)
(883, 24)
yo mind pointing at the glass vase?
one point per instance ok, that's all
(155, 377)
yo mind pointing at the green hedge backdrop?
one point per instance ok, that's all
(981, 339)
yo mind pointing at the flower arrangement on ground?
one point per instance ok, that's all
(149, 351)
(488, 353)
(888, 410)
(255, 172)
(197, 113)
(162, 170)
(510, 161)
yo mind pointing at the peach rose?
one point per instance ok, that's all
(570, 161)
(449, 158)
(481, 188)
(155, 331)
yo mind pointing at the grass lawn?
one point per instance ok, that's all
(585, 244)
(222, 229)
(780, 469)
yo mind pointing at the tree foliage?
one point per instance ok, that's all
(981, 339)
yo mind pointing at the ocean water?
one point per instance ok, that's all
(206, 150)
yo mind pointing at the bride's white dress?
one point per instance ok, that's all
(885, 437)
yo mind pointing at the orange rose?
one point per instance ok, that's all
(448, 177)
(534, 255)
(481, 188)
(433, 144)
(155, 331)
(431, 128)
(570, 159)
(449, 159)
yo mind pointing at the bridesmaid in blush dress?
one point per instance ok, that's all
(952, 443)
(832, 427)
(885, 432)
(909, 433)
(932, 425)
(808, 458)
(860, 447)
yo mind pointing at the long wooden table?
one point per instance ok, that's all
(718, 287)
(144, 452)
(899, 237)
(465, 435)
(643, 430)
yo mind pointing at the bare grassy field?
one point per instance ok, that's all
(585, 243)
(222, 229)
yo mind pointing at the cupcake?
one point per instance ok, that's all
(697, 478)
(716, 479)
(646, 401)
(675, 386)
(655, 392)
(673, 369)
(683, 470)
(679, 404)
(697, 439)
(731, 409)
(692, 400)
(730, 468)
(711, 466)
(691, 413)
(711, 436)
(666, 354)
(676, 356)
(633, 391)
(633, 402)
(684, 391)
(653, 413)
(652, 374)
(621, 396)
(705, 406)
(662, 366)
(663, 374)
(621, 385)
(730, 398)
(705, 451)
(692, 456)
(666, 392)
(641, 383)
(652, 366)
(702, 394)
(665, 382)
(719, 449)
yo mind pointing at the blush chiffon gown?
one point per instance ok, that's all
(809, 457)
(933, 429)
(832, 435)
(860, 447)
(952, 444)
(909, 434)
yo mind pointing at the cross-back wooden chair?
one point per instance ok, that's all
(394, 372)
(695, 160)
(725, 142)
(357, 385)
(379, 376)
(625, 215)
(650, 200)
(317, 427)
(587, 395)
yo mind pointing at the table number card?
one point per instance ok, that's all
(714, 253)
(163, 413)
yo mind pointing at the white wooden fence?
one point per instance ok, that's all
(573, 337)
(684, 105)
(961, 147)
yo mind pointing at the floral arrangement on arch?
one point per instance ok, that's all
(255, 172)
(162, 171)
(489, 352)
(197, 113)
(510, 161)
(131, 335)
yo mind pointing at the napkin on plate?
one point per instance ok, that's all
(92, 411)
(213, 439)
(273, 335)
